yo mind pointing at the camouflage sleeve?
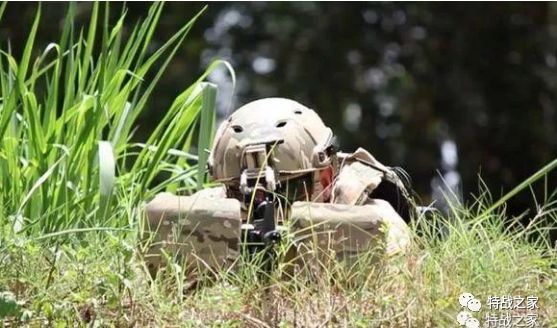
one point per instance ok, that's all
(398, 235)
(369, 209)
(348, 230)
(202, 230)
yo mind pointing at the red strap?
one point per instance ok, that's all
(326, 179)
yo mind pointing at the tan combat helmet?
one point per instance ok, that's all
(273, 138)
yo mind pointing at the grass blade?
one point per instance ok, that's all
(206, 129)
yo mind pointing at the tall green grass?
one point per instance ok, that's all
(67, 118)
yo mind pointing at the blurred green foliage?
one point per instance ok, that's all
(399, 79)
(68, 116)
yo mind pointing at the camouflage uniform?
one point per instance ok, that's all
(348, 202)
(193, 229)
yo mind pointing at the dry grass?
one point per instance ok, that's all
(102, 280)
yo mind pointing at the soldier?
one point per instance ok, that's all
(277, 164)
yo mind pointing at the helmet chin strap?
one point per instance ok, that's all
(326, 181)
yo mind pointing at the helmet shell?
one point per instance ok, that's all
(299, 137)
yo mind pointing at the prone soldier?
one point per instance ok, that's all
(278, 166)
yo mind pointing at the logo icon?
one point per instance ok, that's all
(462, 317)
(464, 298)
(472, 323)
(470, 303)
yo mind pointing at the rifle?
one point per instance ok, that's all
(260, 234)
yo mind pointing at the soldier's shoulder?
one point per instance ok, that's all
(362, 177)
(358, 174)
